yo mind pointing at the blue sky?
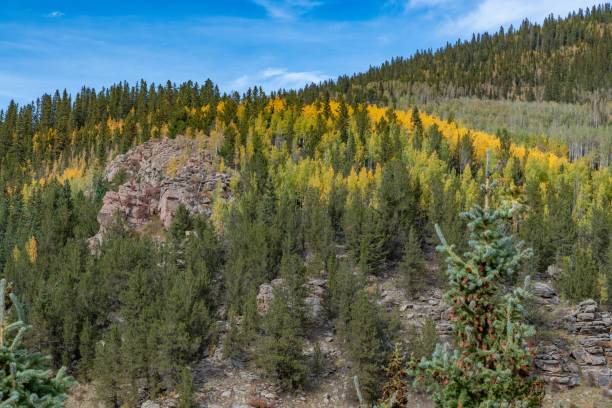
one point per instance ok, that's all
(56, 44)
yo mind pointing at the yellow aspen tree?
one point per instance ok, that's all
(32, 249)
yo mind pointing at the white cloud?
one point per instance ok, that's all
(287, 9)
(491, 14)
(272, 79)
(55, 14)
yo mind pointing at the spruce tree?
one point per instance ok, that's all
(491, 365)
(25, 377)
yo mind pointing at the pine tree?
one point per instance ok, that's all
(504, 147)
(580, 274)
(600, 234)
(491, 365)
(367, 343)
(281, 346)
(233, 341)
(465, 152)
(343, 288)
(342, 121)
(417, 135)
(423, 340)
(533, 229)
(372, 252)
(412, 268)
(185, 389)
(107, 367)
(397, 207)
(436, 143)
(181, 223)
(25, 377)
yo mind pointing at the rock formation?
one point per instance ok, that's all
(158, 176)
(582, 352)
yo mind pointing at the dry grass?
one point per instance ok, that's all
(579, 397)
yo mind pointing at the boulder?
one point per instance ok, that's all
(545, 293)
(587, 306)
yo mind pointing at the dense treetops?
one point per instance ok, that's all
(563, 59)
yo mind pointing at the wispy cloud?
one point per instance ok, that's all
(55, 14)
(491, 14)
(287, 9)
(276, 78)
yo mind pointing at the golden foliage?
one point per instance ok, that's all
(31, 247)
(16, 253)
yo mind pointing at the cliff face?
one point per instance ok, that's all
(155, 178)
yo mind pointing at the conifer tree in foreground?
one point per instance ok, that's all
(490, 366)
(25, 380)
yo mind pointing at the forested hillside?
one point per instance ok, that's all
(559, 71)
(311, 177)
(564, 59)
(341, 184)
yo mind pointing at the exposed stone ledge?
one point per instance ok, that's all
(159, 176)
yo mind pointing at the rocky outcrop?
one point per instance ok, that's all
(555, 366)
(592, 350)
(587, 319)
(414, 311)
(158, 176)
(583, 351)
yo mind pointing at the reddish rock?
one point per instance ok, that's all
(160, 175)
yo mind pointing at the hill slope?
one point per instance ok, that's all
(564, 59)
